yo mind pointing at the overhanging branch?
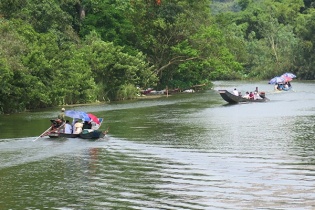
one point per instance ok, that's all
(178, 59)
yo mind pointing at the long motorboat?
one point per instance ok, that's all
(233, 99)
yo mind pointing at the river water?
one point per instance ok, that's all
(186, 151)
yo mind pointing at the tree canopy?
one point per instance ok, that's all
(55, 52)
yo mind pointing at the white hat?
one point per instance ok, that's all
(63, 109)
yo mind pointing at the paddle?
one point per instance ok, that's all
(41, 135)
(105, 132)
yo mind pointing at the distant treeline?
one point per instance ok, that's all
(55, 52)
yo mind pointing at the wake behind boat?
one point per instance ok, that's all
(234, 99)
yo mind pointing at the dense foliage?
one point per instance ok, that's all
(55, 52)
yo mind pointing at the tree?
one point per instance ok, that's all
(14, 75)
(110, 20)
(74, 82)
(305, 59)
(269, 37)
(166, 34)
(113, 68)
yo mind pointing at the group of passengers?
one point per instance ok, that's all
(248, 95)
(75, 128)
(283, 86)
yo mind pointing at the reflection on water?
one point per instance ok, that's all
(183, 152)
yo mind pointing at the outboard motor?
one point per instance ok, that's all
(262, 94)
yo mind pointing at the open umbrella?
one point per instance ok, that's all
(94, 118)
(287, 79)
(289, 75)
(276, 80)
(77, 114)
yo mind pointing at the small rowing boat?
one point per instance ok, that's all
(93, 133)
(87, 129)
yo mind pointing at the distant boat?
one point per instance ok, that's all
(282, 87)
(233, 99)
(282, 83)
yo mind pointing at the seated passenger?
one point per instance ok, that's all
(68, 127)
(246, 95)
(280, 86)
(87, 125)
(251, 95)
(77, 127)
(256, 96)
(235, 92)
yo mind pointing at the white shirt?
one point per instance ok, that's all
(256, 96)
(235, 92)
(68, 128)
(246, 96)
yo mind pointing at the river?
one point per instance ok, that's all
(185, 151)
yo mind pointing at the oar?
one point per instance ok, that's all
(43, 133)
(105, 132)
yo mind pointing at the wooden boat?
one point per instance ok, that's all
(86, 134)
(233, 99)
(57, 131)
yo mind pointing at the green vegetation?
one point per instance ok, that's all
(56, 52)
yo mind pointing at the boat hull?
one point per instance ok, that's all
(95, 134)
(233, 99)
(92, 135)
(283, 89)
(63, 135)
